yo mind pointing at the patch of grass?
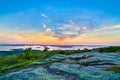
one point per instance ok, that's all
(115, 69)
(12, 67)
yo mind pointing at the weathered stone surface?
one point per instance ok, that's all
(83, 66)
(70, 61)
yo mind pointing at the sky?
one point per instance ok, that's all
(61, 22)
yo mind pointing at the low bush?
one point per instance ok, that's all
(109, 49)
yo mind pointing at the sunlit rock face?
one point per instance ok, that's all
(82, 66)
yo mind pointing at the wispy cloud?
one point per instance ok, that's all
(44, 26)
(43, 15)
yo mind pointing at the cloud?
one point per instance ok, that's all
(17, 28)
(109, 27)
(73, 31)
(44, 15)
(49, 31)
(70, 30)
(84, 28)
(71, 22)
(104, 28)
(44, 26)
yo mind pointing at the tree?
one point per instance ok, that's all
(45, 49)
(27, 52)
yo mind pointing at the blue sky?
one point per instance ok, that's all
(59, 19)
(107, 6)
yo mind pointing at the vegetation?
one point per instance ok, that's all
(115, 69)
(45, 49)
(84, 50)
(109, 49)
(12, 62)
(9, 63)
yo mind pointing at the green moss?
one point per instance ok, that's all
(115, 69)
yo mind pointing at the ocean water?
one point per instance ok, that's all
(51, 47)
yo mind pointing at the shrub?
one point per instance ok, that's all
(1, 60)
(110, 49)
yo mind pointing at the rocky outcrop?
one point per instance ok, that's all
(83, 66)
